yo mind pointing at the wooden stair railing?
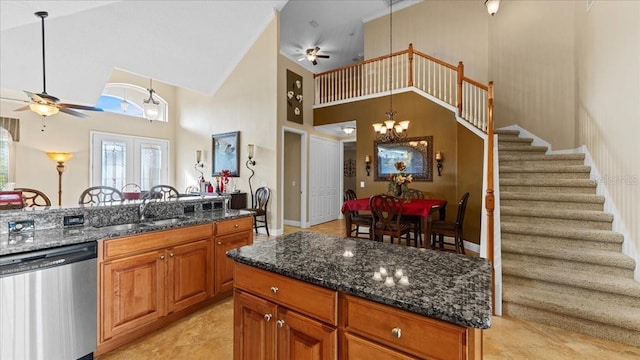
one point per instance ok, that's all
(445, 82)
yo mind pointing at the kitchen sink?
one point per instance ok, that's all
(124, 227)
(163, 222)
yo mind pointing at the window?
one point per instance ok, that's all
(127, 99)
(118, 160)
(5, 152)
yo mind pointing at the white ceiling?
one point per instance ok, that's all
(191, 44)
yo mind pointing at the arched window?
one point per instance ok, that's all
(127, 99)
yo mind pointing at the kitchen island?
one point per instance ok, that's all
(310, 295)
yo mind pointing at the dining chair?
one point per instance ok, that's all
(386, 211)
(357, 219)
(131, 191)
(97, 195)
(414, 220)
(163, 192)
(33, 197)
(442, 228)
(259, 209)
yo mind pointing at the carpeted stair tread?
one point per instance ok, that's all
(558, 213)
(544, 168)
(585, 198)
(514, 139)
(520, 147)
(584, 183)
(589, 256)
(594, 281)
(562, 232)
(516, 157)
(621, 316)
(506, 132)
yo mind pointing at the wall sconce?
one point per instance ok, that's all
(60, 158)
(439, 160)
(492, 6)
(251, 162)
(367, 164)
(199, 164)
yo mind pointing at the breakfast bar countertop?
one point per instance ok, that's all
(14, 243)
(444, 286)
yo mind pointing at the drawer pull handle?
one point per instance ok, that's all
(161, 257)
(280, 323)
(171, 255)
(236, 226)
(396, 332)
(267, 317)
(219, 242)
(274, 290)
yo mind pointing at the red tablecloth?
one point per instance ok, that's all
(420, 207)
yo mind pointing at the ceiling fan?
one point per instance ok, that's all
(313, 56)
(44, 104)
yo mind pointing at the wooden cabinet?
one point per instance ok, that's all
(229, 234)
(144, 278)
(276, 317)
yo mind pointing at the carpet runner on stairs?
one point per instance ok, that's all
(562, 265)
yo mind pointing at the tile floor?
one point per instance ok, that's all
(208, 334)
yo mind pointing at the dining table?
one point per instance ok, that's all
(424, 208)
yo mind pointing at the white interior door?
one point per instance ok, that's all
(324, 180)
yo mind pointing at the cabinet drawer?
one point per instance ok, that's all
(234, 225)
(312, 300)
(118, 247)
(357, 348)
(418, 335)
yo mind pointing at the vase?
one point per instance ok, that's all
(398, 190)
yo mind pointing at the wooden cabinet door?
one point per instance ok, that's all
(254, 328)
(131, 294)
(188, 274)
(300, 337)
(357, 348)
(223, 265)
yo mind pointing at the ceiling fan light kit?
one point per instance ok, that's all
(42, 103)
(313, 56)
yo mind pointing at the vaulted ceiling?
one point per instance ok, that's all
(191, 44)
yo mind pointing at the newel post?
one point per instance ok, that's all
(410, 82)
(489, 197)
(460, 77)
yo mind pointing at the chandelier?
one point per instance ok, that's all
(389, 130)
(150, 106)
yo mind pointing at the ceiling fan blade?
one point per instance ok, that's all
(316, 49)
(73, 112)
(310, 51)
(314, 62)
(302, 58)
(323, 56)
(80, 107)
(42, 97)
(24, 108)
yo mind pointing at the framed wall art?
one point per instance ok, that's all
(226, 153)
(416, 153)
(294, 97)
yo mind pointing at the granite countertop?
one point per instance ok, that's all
(13, 243)
(445, 286)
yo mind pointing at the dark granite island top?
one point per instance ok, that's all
(444, 286)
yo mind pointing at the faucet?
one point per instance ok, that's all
(142, 209)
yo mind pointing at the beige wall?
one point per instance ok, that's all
(245, 102)
(608, 103)
(470, 161)
(71, 134)
(449, 30)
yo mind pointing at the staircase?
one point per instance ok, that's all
(561, 263)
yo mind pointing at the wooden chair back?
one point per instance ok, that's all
(33, 197)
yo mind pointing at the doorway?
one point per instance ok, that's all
(294, 178)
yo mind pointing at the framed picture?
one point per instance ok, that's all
(226, 154)
(294, 97)
(416, 153)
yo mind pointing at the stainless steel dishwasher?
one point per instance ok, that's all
(48, 303)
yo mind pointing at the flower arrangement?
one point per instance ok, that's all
(399, 182)
(224, 179)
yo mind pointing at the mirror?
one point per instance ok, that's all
(416, 153)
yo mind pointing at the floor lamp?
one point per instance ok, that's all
(251, 162)
(60, 158)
